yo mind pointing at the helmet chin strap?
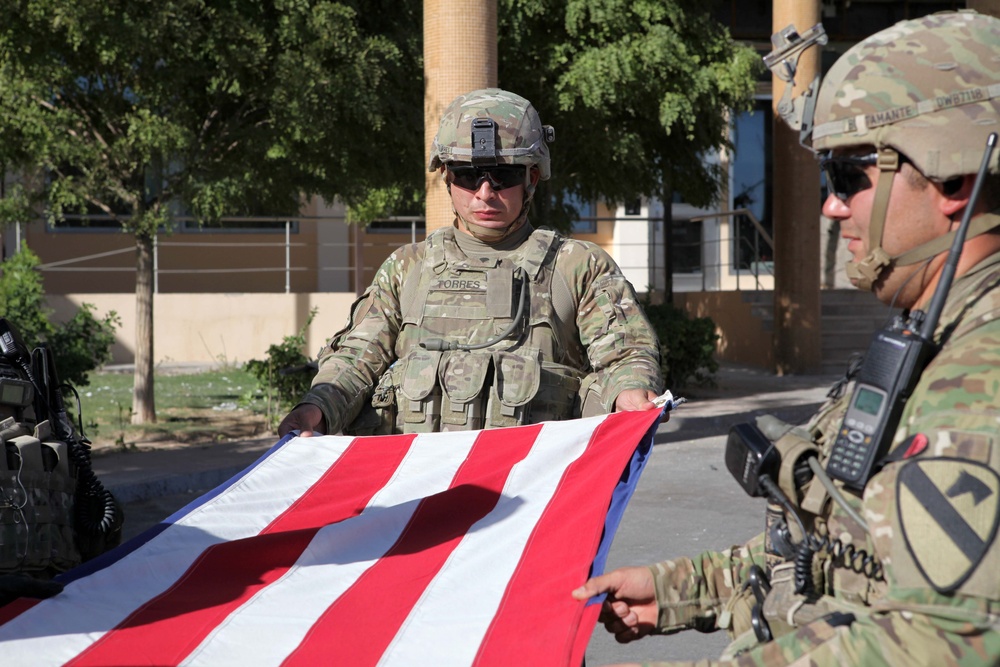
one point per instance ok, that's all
(867, 271)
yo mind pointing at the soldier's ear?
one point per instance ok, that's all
(955, 194)
(534, 174)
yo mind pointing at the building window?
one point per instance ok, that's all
(685, 246)
(239, 225)
(586, 215)
(83, 223)
(752, 185)
(633, 207)
(401, 224)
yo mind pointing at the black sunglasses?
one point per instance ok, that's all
(845, 175)
(500, 177)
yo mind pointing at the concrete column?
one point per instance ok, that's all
(989, 7)
(797, 340)
(460, 54)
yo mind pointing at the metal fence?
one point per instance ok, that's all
(705, 250)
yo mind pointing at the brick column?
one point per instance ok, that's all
(460, 54)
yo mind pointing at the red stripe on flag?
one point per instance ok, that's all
(542, 628)
(586, 629)
(167, 628)
(368, 615)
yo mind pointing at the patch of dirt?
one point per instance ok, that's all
(183, 428)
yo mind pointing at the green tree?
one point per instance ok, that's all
(638, 91)
(136, 110)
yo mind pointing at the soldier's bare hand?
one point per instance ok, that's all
(305, 418)
(630, 400)
(630, 610)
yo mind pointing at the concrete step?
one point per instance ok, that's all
(848, 320)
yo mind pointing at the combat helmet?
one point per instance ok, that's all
(927, 89)
(519, 136)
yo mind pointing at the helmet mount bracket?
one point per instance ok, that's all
(484, 142)
(788, 45)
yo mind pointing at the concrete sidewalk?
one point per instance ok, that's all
(742, 393)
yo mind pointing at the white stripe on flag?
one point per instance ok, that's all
(54, 632)
(450, 607)
(285, 611)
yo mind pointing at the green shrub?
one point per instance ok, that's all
(22, 297)
(83, 343)
(79, 346)
(285, 374)
(687, 345)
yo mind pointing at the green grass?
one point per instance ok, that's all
(206, 406)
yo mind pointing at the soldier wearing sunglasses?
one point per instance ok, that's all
(489, 322)
(906, 570)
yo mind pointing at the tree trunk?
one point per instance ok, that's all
(143, 402)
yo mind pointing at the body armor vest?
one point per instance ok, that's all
(527, 376)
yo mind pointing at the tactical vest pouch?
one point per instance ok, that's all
(419, 399)
(384, 403)
(557, 396)
(785, 609)
(377, 416)
(515, 383)
(36, 507)
(590, 397)
(462, 377)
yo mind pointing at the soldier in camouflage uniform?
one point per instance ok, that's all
(489, 322)
(907, 571)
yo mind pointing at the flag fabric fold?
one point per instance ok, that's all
(433, 549)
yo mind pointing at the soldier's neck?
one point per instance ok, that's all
(473, 247)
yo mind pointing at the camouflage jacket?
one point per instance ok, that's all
(933, 512)
(583, 327)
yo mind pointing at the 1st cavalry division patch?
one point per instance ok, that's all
(949, 510)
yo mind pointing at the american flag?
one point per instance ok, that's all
(439, 549)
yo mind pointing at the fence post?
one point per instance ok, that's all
(156, 263)
(288, 256)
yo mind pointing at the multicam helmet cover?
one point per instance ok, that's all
(928, 88)
(520, 137)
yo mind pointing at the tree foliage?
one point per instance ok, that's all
(224, 107)
(636, 89)
(140, 110)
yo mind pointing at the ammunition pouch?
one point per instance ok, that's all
(785, 610)
(431, 391)
(591, 397)
(37, 507)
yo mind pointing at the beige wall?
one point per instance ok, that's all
(742, 339)
(216, 328)
(234, 328)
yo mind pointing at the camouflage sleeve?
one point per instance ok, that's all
(619, 340)
(354, 359)
(877, 640)
(692, 593)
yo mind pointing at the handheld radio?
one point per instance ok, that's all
(892, 366)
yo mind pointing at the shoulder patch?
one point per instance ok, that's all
(949, 511)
